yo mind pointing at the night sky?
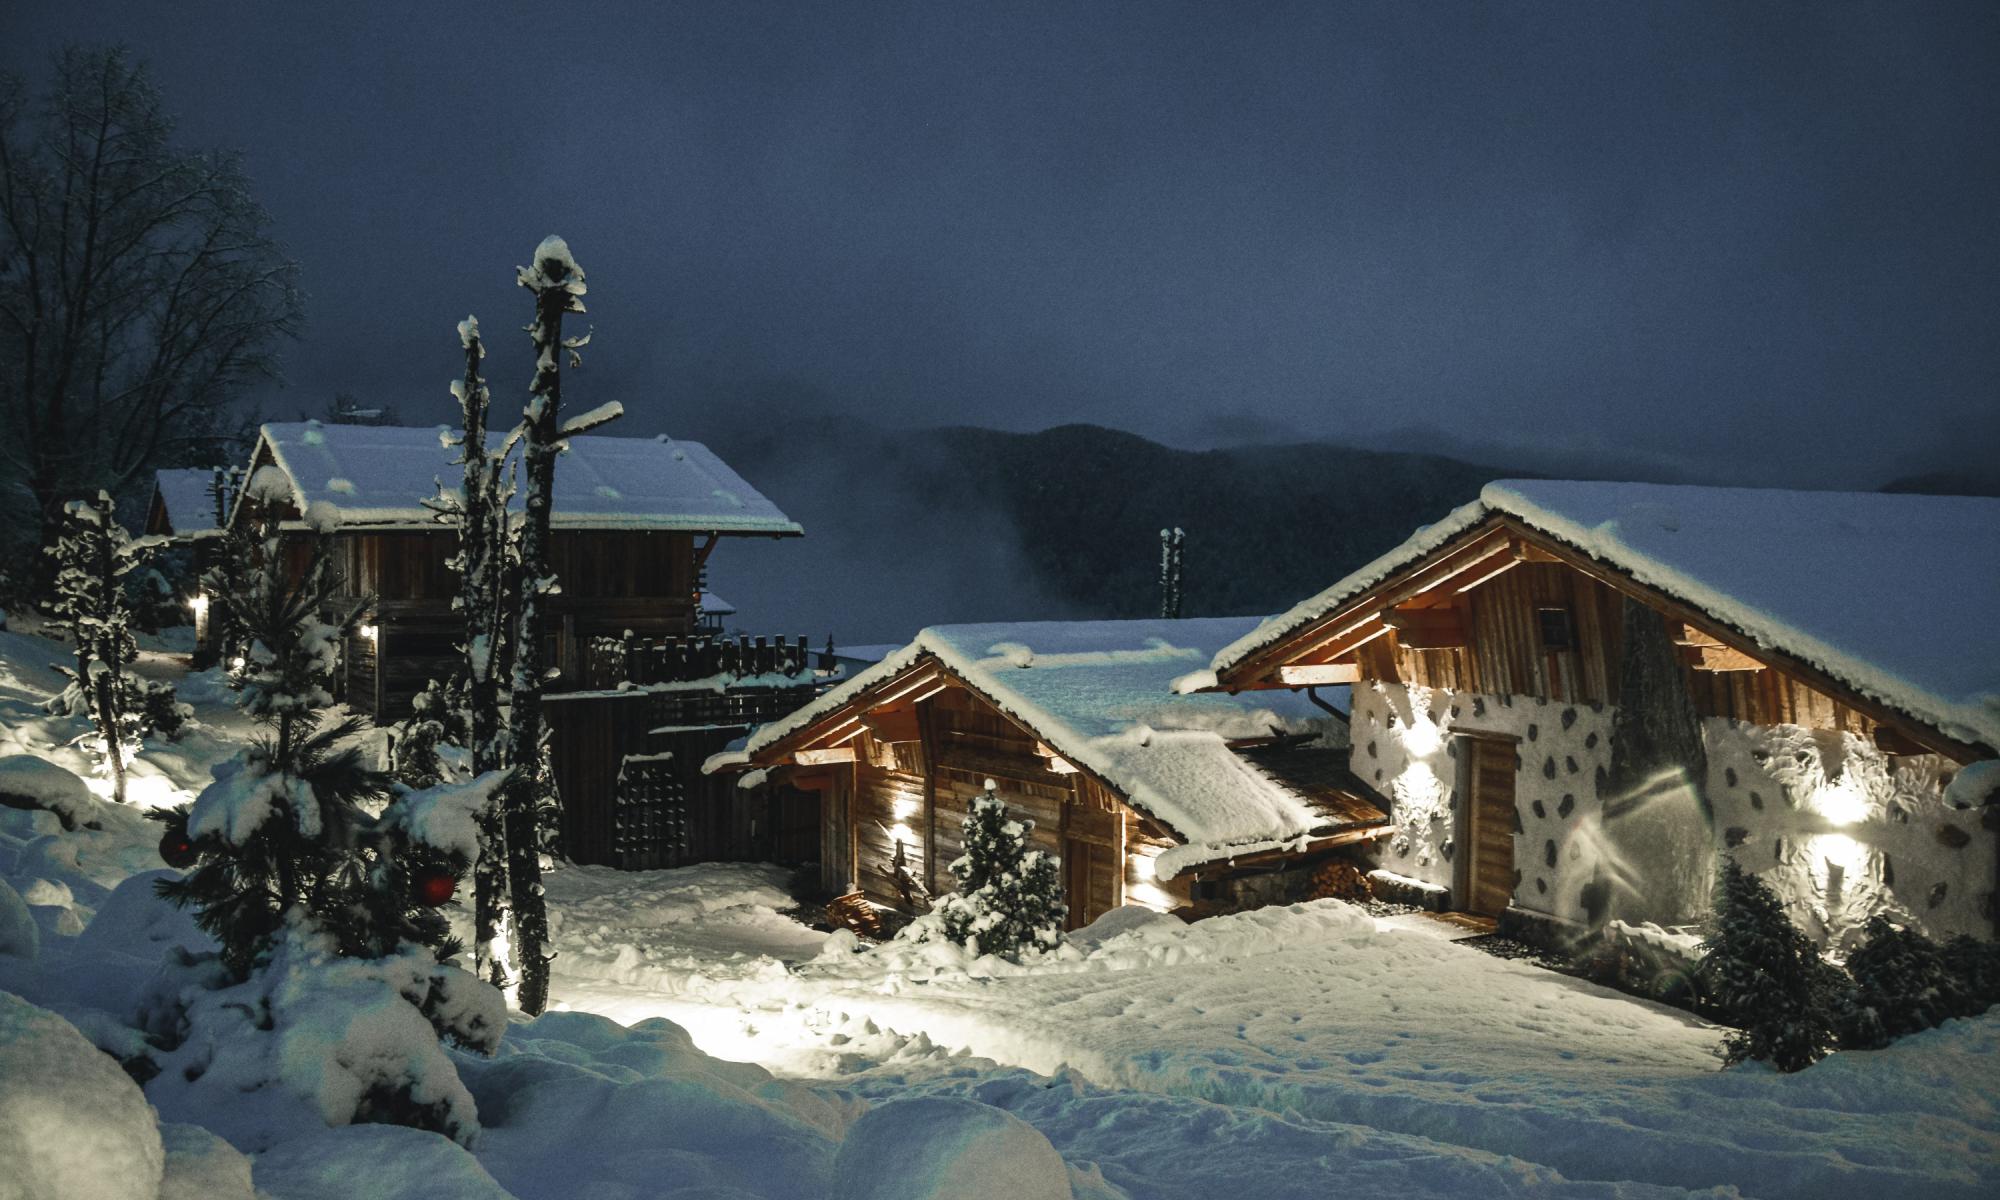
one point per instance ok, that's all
(1762, 241)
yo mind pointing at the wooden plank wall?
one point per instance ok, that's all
(1505, 656)
(920, 793)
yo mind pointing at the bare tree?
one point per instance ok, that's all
(139, 288)
(557, 283)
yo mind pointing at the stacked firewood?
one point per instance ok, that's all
(853, 911)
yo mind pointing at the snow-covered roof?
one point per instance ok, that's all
(189, 503)
(1890, 595)
(1098, 692)
(715, 605)
(382, 474)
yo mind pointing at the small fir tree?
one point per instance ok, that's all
(1765, 977)
(1009, 898)
(93, 556)
(435, 720)
(294, 875)
(1902, 984)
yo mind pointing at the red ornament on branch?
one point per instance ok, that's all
(177, 849)
(434, 886)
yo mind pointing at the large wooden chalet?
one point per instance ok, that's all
(1177, 803)
(1840, 651)
(644, 688)
(633, 523)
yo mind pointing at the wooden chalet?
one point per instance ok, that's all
(645, 689)
(634, 522)
(1840, 651)
(190, 505)
(1177, 803)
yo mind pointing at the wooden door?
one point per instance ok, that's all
(1093, 854)
(1487, 874)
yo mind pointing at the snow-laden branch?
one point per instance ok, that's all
(603, 414)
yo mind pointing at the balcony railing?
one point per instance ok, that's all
(645, 661)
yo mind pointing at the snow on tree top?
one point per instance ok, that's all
(1889, 594)
(1099, 694)
(383, 474)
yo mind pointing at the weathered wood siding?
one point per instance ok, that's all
(1505, 655)
(919, 792)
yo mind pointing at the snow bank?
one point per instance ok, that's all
(943, 1148)
(20, 936)
(380, 1162)
(71, 1122)
(27, 781)
(201, 1166)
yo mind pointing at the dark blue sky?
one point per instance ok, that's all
(1757, 239)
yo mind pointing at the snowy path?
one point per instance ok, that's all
(1355, 1055)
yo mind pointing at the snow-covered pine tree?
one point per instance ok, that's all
(334, 956)
(558, 286)
(1766, 978)
(1903, 984)
(1009, 898)
(93, 556)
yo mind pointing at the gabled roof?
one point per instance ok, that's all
(1097, 692)
(1890, 597)
(383, 474)
(190, 505)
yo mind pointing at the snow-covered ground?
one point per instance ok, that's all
(709, 1045)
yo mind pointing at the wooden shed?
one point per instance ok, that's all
(1177, 803)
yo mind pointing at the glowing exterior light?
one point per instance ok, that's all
(1841, 802)
(198, 605)
(366, 631)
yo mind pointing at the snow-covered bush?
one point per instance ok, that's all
(434, 720)
(1765, 977)
(349, 1039)
(1009, 898)
(1902, 985)
(30, 782)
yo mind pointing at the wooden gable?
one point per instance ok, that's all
(1505, 609)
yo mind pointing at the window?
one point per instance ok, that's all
(1555, 627)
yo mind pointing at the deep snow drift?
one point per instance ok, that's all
(1304, 1051)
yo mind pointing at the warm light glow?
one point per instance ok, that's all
(1841, 802)
(236, 664)
(907, 807)
(366, 631)
(1142, 868)
(1842, 851)
(1422, 739)
(198, 604)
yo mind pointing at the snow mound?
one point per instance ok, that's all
(71, 1122)
(135, 921)
(201, 1166)
(381, 1162)
(945, 1148)
(579, 1105)
(28, 781)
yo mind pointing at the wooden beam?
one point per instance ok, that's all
(821, 758)
(893, 725)
(1717, 658)
(1426, 628)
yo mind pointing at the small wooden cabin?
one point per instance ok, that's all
(1177, 803)
(634, 521)
(1839, 651)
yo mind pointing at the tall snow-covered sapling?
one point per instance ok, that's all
(478, 513)
(1766, 978)
(558, 286)
(93, 556)
(1009, 898)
